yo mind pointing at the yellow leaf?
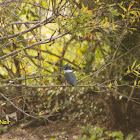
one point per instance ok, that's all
(135, 83)
(114, 27)
(19, 100)
(60, 17)
(124, 9)
(138, 82)
(45, 60)
(55, 58)
(60, 48)
(56, 109)
(133, 65)
(138, 66)
(43, 69)
(131, 32)
(43, 82)
(40, 113)
(136, 72)
(130, 6)
(115, 82)
(128, 71)
(93, 22)
(44, 4)
(89, 12)
(85, 9)
(107, 24)
(89, 36)
(110, 85)
(43, 47)
(123, 16)
(36, 47)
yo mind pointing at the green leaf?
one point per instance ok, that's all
(5, 128)
(129, 137)
(23, 12)
(52, 139)
(100, 133)
(118, 134)
(93, 137)
(83, 138)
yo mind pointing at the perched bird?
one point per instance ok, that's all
(69, 75)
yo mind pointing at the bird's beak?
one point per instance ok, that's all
(61, 68)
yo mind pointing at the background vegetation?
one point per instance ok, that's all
(100, 39)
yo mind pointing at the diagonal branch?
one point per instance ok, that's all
(28, 47)
(30, 29)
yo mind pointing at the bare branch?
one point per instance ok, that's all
(41, 86)
(27, 78)
(16, 106)
(104, 66)
(38, 43)
(28, 30)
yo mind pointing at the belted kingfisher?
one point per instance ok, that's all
(69, 75)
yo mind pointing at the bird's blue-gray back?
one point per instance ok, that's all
(71, 78)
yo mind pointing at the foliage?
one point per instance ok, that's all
(99, 39)
(89, 133)
(3, 129)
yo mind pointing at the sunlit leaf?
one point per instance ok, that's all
(110, 85)
(44, 4)
(135, 83)
(61, 48)
(40, 113)
(137, 72)
(138, 66)
(133, 65)
(121, 5)
(20, 100)
(85, 9)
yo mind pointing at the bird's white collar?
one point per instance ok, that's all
(67, 71)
